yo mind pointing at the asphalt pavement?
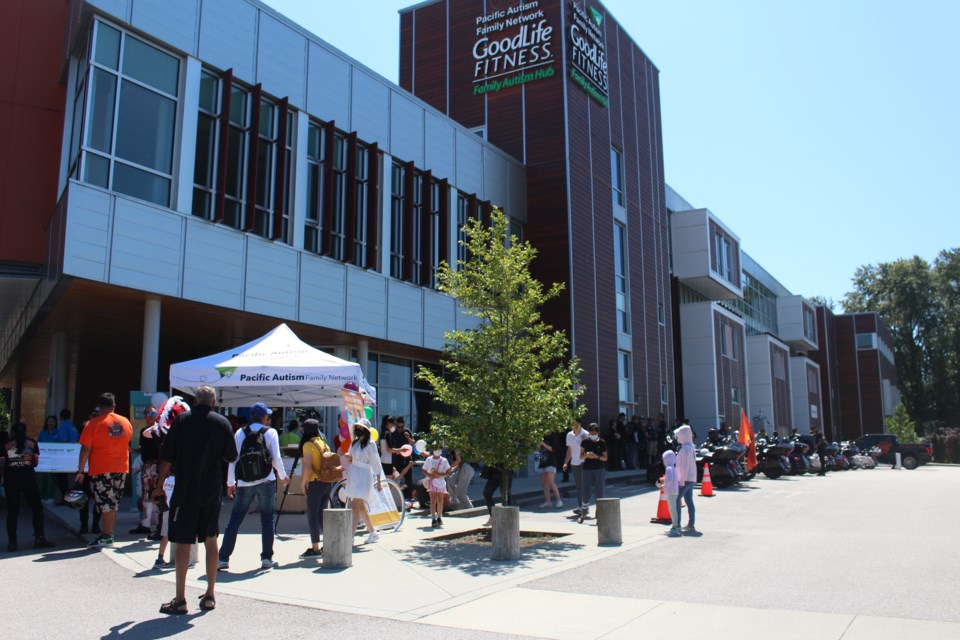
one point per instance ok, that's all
(857, 554)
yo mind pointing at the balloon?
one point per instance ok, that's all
(158, 399)
(344, 431)
(352, 386)
(406, 451)
(344, 446)
(420, 446)
(368, 411)
(374, 436)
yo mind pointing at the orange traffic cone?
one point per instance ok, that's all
(663, 510)
(706, 487)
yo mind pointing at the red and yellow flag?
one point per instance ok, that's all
(747, 440)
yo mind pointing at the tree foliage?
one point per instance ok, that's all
(4, 411)
(920, 304)
(902, 425)
(823, 301)
(509, 380)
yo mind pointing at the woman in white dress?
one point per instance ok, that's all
(364, 466)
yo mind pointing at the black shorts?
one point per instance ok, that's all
(194, 523)
(387, 469)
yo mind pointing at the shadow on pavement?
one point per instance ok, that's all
(474, 559)
(152, 629)
(53, 556)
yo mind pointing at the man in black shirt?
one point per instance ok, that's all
(200, 443)
(593, 451)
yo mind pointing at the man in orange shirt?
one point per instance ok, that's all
(104, 444)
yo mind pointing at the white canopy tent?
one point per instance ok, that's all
(278, 369)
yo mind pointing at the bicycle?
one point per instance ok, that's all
(339, 501)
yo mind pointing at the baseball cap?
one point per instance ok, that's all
(259, 410)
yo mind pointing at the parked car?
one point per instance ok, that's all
(911, 455)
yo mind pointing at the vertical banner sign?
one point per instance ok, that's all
(513, 46)
(352, 406)
(588, 52)
(382, 507)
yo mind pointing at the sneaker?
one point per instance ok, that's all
(310, 553)
(139, 530)
(269, 563)
(673, 533)
(222, 565)
(102, 541)
(434, 523)
(373, 537)
(160, 564)
(192, 564)
(155, 536)
(488, 523)
(689, 529)
(42, 543)
(546, 505)
(558, 503)
(439, 522)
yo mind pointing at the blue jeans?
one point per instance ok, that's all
(686, 494)
(266, 493)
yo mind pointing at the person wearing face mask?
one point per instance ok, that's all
(387, 427)
(593, 451)
(18, 458)
(365, 471)
(436, 468)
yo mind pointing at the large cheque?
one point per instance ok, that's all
(58, 457)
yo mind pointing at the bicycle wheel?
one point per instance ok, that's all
(339, 500)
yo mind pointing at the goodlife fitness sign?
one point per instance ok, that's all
(588, 52)
(513, 46)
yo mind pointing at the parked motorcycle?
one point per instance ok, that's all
(773, 458)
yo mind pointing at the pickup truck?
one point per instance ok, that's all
(911, 455)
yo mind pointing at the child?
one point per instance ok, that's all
(436, 469)
(671, 489)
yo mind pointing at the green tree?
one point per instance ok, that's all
(902, 425)
(509, 380)
(4, 411)
(823, 301)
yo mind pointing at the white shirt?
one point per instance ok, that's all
(272, 440)
(573, 446)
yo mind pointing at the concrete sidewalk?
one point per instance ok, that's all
(454, 584)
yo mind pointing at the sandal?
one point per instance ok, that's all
(174, 607)
(208, 602)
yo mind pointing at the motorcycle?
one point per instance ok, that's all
(773, 458)
(799, 459)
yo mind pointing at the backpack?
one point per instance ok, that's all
(254, 461)
(330, 469)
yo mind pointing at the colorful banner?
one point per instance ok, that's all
(352, 405)
(382, 508)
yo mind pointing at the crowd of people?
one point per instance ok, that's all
(192, 458)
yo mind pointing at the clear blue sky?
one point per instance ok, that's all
(826, 134)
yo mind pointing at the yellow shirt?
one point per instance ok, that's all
(315, 449)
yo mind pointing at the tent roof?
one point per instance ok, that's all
(278, 369)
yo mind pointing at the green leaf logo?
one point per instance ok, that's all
(225, 372)
(596, 16)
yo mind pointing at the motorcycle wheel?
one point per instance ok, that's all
(773, 474)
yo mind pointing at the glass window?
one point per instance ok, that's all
(463, 214)
(107, 48)
(735, 395)
(397, 196)
(131, 117)
(624, 367)
(395, 372)
(866, 341)
(150, 66)
(621, 278)
(616, 176)
(361, 204)
(661, 314)
(315, 174)
(340, 195)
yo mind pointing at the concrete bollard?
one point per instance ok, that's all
(609, 531)
(506, 533)
(337, 538)
(897, 462)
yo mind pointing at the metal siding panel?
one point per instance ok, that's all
(439, 151)
(517, 200)
(470, 164)
(439, 317)
(145, 252)
(496, 179)
(85, 237)
(117, 8)
(366, 292)
(228, 36)
(271, 279)
(213, 260)
(465, 320)
(323, 285)
(328, 86)
(371, 117)
(406, 129)
(405, 321)
(281, 60)
(172, 21)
